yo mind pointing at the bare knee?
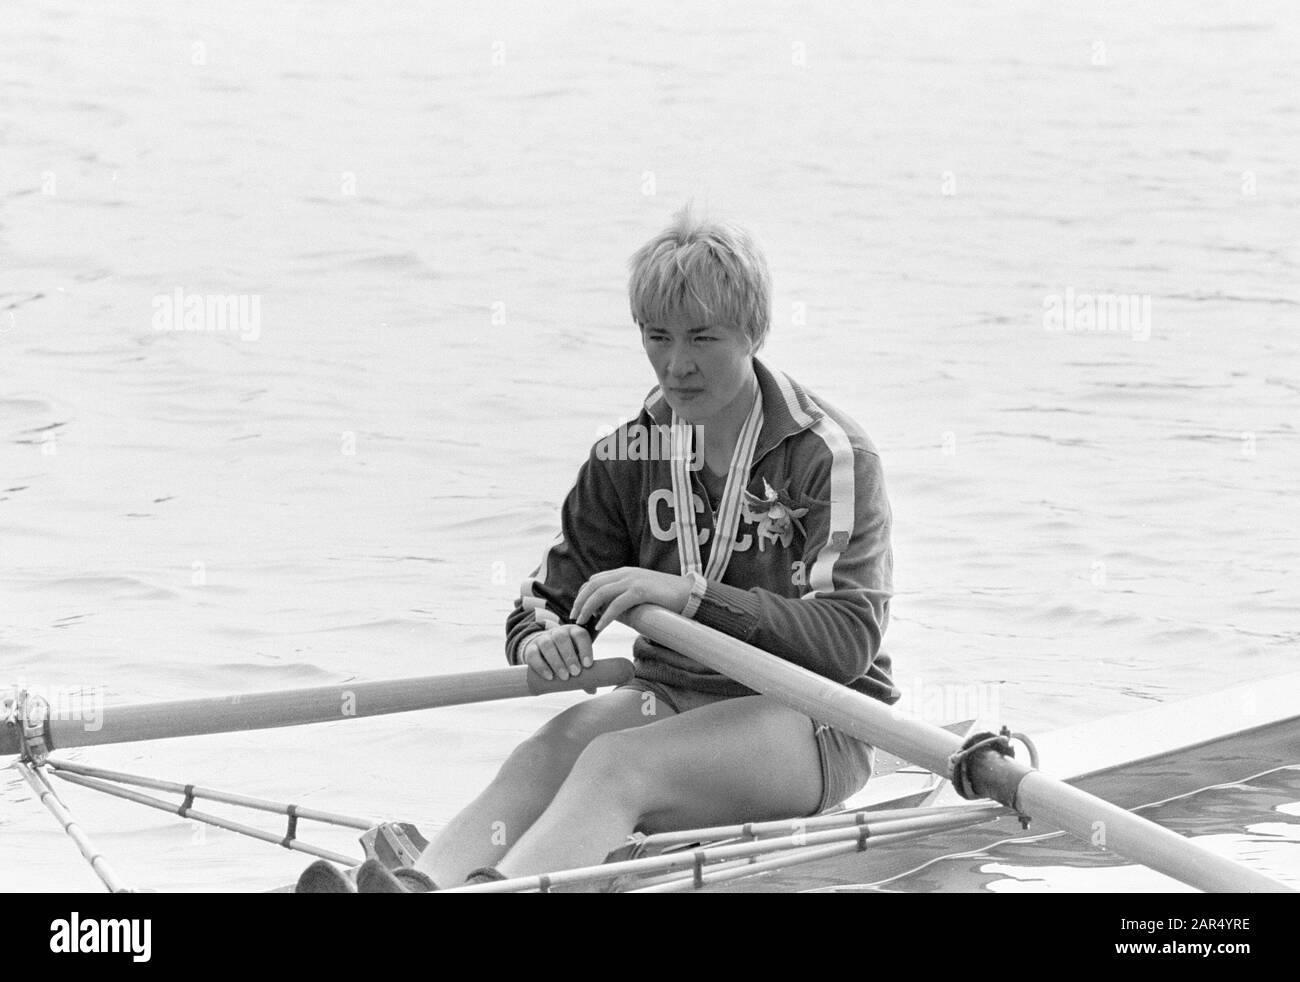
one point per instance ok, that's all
(615, 770)
(549, 754)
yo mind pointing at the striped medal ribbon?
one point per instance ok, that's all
(728, 517)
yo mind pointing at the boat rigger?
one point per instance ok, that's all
(991, 782)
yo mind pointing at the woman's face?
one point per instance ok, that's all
(702, 367)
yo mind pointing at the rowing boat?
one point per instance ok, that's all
(910, 813)
(1136, 760)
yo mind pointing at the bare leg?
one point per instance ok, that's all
(742, 759)
(483, 832)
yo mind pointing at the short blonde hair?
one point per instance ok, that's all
(703, 267)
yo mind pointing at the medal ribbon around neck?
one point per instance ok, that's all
(727, 520)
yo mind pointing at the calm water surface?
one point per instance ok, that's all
(434, 207)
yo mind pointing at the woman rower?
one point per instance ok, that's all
(766, 520)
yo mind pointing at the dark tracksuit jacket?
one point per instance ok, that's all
(821, 602)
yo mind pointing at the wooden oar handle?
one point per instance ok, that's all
(323, 704)
(603, 672)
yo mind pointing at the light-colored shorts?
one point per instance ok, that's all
(846, 762)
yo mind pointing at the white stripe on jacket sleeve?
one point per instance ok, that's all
(843, 506)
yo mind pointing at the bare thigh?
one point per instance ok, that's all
(559, 742)
(748, 758)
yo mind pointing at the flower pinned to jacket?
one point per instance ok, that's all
(774, 514)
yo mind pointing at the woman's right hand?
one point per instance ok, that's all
(563, 650)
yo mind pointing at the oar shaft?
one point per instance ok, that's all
(1009, 781)
(264, 710)
(821, 699)
(1109, 827)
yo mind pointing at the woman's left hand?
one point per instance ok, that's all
(617, 590)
